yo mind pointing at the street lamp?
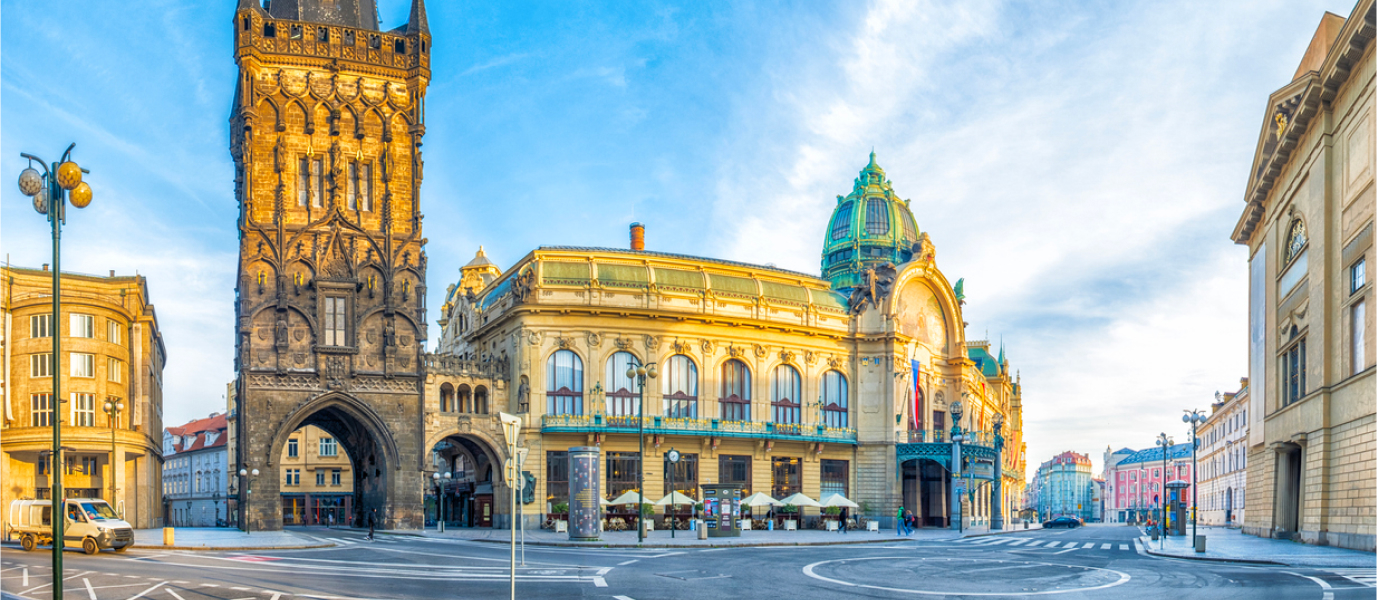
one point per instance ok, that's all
(50, 191)
(440, 482)
(113, 410)
(996, 497)
(638, 374)
(1166, 443)
(956, 461)
(244, 502)
(1194, 418)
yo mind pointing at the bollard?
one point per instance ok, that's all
(702, 532)
(168, 537)
(1200, 543)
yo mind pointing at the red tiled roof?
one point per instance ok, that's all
(198, 428)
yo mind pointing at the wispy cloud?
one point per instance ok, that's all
(500, 61)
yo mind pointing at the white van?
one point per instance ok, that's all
(89, 521)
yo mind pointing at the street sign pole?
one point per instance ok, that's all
(511, 428)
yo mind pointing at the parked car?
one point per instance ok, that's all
(90, 520)
(1067, 522)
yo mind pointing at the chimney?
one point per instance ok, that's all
(112, 272)
(637, 237)
(45, 266)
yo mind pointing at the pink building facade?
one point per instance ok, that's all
(1134, 481)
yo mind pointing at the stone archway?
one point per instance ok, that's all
(382, 480)
(473, 497)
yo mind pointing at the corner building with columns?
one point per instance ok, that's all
(779, 381)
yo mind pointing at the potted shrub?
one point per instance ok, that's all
(790, 513)
(559, 513)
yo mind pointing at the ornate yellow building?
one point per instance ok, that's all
(112, 351)
(780, 381)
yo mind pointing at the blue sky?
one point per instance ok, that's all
(1080, 164)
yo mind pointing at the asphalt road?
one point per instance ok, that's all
(1094, 562)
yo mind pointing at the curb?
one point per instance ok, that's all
(1237, 561)
(232, 548)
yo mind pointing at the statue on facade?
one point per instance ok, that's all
(877, 282)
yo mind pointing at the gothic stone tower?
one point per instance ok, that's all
(325, 131)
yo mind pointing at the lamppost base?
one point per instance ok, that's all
(997, 524)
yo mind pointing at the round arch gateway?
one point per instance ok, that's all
(382, 482)
(473, 495)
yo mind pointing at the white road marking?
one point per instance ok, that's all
(1034, 543)
(210, 585)
(168, 590)
(1051, 545)
(1088, 545)
(26, 576)
(1102, 546)
(623, 564)
(1123, 546)
(89, 590)
(599, 582)
(622, 598)
(141, 594)
(240, 589)
(1019, 542)
(1073, 548)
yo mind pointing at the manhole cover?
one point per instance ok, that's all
(693, 574)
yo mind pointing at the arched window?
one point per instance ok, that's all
(465, 397)
(680, 387)
(834, 399)
(446, 397)
(480, 400)
(1295, 240)
(910, 228)
(841, 224)
(876, 216)
(564, 383)
(736, 391)
(621, 390)
(785, 391)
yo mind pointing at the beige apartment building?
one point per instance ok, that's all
(1308, 225)
(1223, 460)
(112, 353)
(317, 479)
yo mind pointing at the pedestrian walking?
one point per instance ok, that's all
(899, 520)
(330, 522)
(372, 522)
(844, 513)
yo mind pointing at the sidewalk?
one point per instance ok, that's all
(689, 539)
(1231, 545)
(221, 538)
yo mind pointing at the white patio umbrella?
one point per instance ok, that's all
(799, 500)
(674, 498)
(759, 499)
(603, 501)
(632, 498)
(838, 500)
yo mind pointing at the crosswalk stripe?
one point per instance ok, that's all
(996, 541)
(1051, 545)
(1123, 546)
(344, 541)
(1105, 546)
(1087, 545)
(1034, 543)
(1019, 542)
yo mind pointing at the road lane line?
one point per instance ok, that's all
(26, 577)
(89, 590)
(141, 594)
(623, 564)
(168, 590)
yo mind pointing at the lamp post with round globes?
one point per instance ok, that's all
(440, 482)
(248, 476)
(1194, 418)
(51, 190)
(638, 374)
(955, 509)
(113, 408)
(1165, 443)
(997, 494)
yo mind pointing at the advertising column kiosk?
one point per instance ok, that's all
(721, 509)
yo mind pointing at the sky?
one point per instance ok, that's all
(1080, 164)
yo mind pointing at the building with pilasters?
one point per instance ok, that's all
(1223, 460)
(1308, 227)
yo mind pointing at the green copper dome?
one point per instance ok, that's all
(871, 226)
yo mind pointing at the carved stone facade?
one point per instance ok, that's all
(326, 128)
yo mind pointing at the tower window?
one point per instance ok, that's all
(352, 183)
(366, 186)
(348, 38)
(317, 183)
(270, 30)
(247, 23)
(876, 216)
(295, 32)
(303, 188)
(842, 223)
(399, 47)
(334, 321)
(374, 42)
(322, 34)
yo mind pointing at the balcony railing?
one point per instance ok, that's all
(698, 427)
(979, 438)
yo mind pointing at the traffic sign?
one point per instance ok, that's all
(521, 456)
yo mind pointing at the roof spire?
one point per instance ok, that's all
(417, 22)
